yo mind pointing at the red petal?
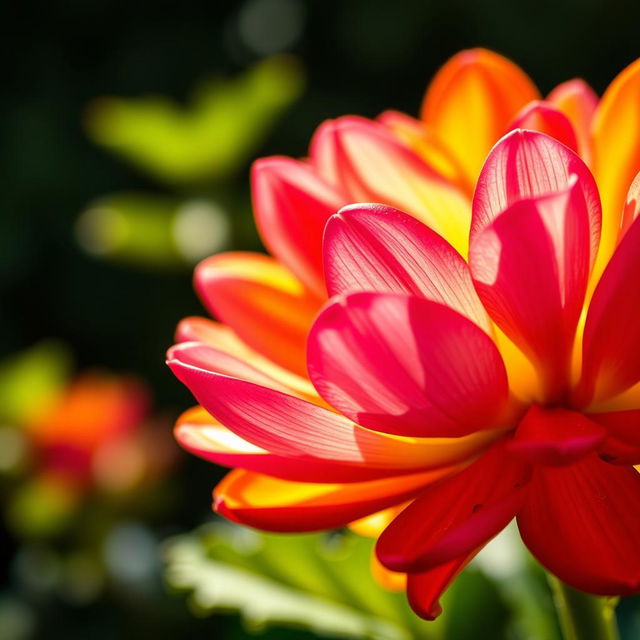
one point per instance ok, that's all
(405, 365)
(623, 444)
(545, 118)
(582, 521)
(272, 504)
(292, 204)
(555, 436)
(611, 345)
(451, 518)
(377, 248)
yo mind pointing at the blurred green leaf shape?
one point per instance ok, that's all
(206, 140)
(319, 583)
(151, 230)
(30, 378)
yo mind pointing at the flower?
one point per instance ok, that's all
(476, 360)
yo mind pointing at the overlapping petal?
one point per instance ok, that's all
(546, 118)
(616, 150)
(471, 101)
(527, 164)
(623, 442)
(290, 427)
(455, 516)
(262, 301)
(292, 204)
(369, 164)
(611, 344)
(581, 522)
(406, 365)
(381, 249)
(531, 267)
(578, 101)
(273, 504)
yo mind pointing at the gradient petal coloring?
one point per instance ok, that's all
(406, 365)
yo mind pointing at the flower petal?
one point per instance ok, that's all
(456, 515)
(623, 444)
(546, 118)
(262, 302)
(290, 427)
(611, 344)
(547, 436)
(578, 101)
(377, 248)
(616, 149)
(470, 102)
(273, 504)
(405, 365)
(425, 589)
(631, 206)
(426, 144)
(531, 267)
(593, 509)
(292, 204)
(366, 161)
(528, 164)
(201, 434)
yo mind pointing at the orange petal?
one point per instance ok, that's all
(266, 306)
(616, 152)
(471, 101)
(271, 504)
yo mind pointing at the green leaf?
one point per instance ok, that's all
(208, 139)
(318, 582)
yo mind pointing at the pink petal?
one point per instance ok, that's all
(287, 426)
(581, 522)
(368, 163)
(292, 204)
(531, 267)
(578, 101)
(405, 365)
(611, 345)
(544, 117)
(456, 515)
(528, 164)
(555, 436)
(377, 248)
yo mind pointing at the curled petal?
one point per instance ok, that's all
(273, 504)
(611, 344)
(544, 117)
(471, 101)
(289, 427)
(264, 304)
(456, 515)
(595, 511)
(616, 149)
(578, 101)
(377, 248)
(531, 266)
(367, 162)
(528, 164)
(292, 204)
(406, 365)
(425, 589)
(631, 206)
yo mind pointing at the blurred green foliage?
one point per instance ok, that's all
(321, 583)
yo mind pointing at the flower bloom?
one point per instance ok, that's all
(477, 359)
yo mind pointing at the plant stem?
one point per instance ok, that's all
(583, 616)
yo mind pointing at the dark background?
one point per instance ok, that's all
(360, 56)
